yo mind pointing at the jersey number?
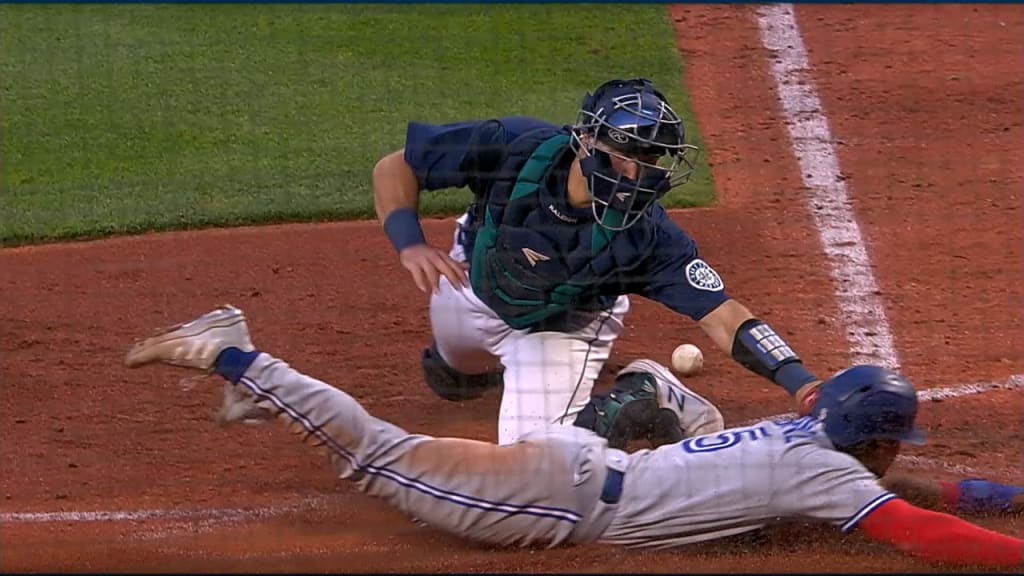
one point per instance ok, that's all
(721, 441)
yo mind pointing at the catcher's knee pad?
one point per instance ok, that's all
(631, 412)
(452, 385)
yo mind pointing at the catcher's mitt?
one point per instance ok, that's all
(629, 412)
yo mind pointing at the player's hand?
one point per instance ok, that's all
(806, 396)
(427, 264)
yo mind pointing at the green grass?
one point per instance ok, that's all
(128, 118)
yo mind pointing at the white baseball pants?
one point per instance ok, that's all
(548, 376)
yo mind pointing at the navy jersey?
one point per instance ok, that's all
(672, 274)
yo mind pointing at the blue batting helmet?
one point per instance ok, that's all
(868, 402)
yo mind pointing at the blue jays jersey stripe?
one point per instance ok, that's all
(423, 487)
(868, 508)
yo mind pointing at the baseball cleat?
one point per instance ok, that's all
(194, 344)
(697, 415)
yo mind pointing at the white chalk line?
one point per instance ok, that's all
(261, 554)
(860, 308)
(203, 518)
(922, 462)
(230, 517)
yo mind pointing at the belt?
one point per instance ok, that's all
(612, 486)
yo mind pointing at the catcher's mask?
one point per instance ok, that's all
(632, 150)
(868, 402)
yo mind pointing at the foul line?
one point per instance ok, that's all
(224, 514)
(937, 394)
(861, 310)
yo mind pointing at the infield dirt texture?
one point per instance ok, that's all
(923, 106)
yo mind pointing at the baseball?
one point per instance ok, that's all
(687, 359)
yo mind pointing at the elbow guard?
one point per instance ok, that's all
(759, 349)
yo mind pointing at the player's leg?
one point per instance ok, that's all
(459, 364)
(465, 487)
(696, 415)
(549, 376)
(470, 488)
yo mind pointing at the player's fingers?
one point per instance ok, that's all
(455, 273)
(433, 279)
(419, 276)
(443, 265)
(431, 271)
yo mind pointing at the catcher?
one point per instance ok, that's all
(565, 485)
(565, 225)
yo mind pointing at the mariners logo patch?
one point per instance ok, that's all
(703, 277)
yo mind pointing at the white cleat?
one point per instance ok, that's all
(697, 415)
(195, 344)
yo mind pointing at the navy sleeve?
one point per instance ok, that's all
(677, 277)
(438, 153)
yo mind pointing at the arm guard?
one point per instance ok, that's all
(759, 349)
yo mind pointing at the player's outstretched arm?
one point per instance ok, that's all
(972, 496)
(940, 537)
(757, 347)
(677, 277)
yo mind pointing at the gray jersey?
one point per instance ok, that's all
(544, 489)
(739, 480)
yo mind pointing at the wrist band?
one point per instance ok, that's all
(793, 376)
(402, 227)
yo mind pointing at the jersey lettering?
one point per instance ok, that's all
(675, 396)
(723, 440)
(799, 429)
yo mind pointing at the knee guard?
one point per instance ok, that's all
(452, 385)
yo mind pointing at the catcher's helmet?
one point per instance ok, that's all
(868, 402)
(630, 120)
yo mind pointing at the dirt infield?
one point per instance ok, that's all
(925, 105)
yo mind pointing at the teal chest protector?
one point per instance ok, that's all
(504, 271)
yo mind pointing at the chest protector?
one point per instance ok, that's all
(532, 262)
